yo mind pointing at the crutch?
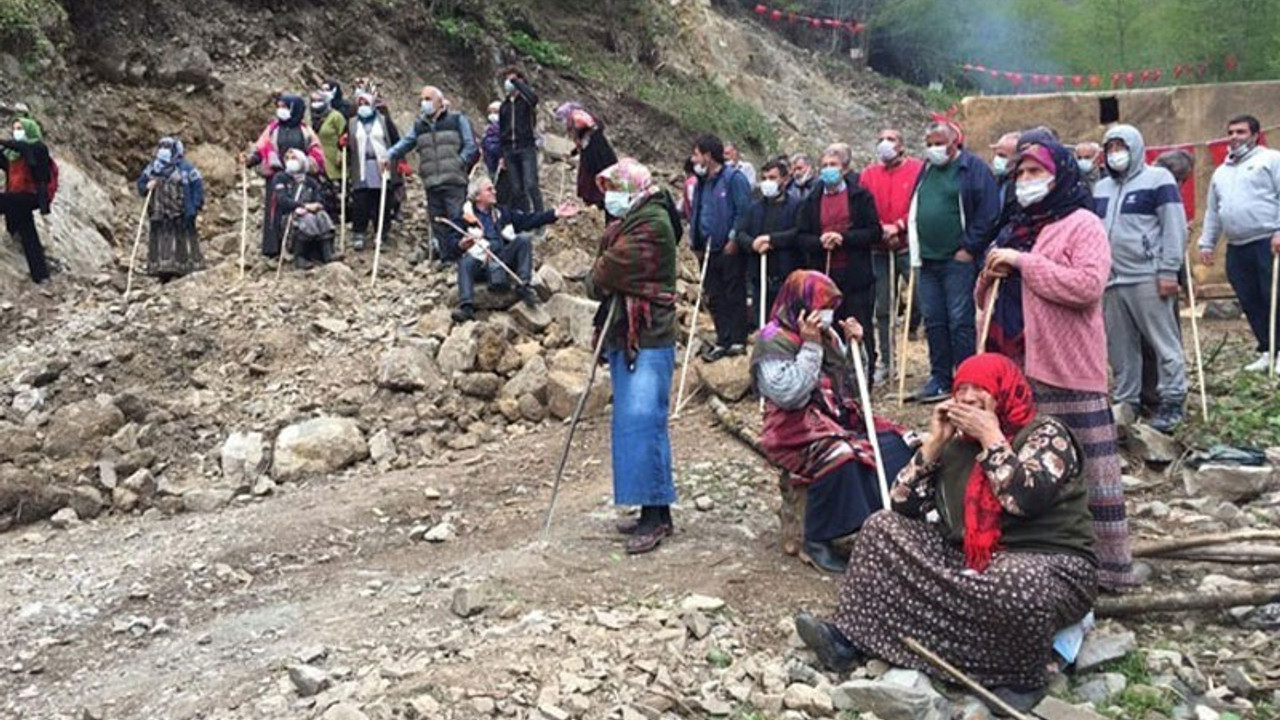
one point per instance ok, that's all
(870, 421)
(342, 201)
(693, 330)
(137, 240)
(382, 221)
(764, 311)
(1275, 283)
(987, 312)
(906, 337)
(577, 413)
(1195, 341)
(244, 215)
(288, 228)
(488, 253)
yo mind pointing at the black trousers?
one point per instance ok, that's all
(19, 210)
(364, 210)
(727, 293)
(445, 201)
(860, 304)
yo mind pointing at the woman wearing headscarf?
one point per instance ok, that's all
(300, 199)
(988, 549)
(177, 197)
(635, 273)
(592, 148)
(369, 135)
(332, 92)
(1054, 259)
(814, 428)
(328, 124)
(28, 169)
(284, 133)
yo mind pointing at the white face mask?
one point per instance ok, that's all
(1000, 165)
(887, 150)
(319, 107)
(365, 111)
(617, 202)
(493, 118)
(1236, 152)
(428, 108)
(293, 166)
(826, 318)
(509, 86)
(1085, 165)
(1031, 192)
(19, 135)
(1118, 161)
(937, 155)
(700, 170)
(769, 188)
(283, 114)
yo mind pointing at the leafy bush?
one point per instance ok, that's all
(26, 27)
(544, 52)
(701, 105)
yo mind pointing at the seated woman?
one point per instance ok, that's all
(813, 425)
(988, 550)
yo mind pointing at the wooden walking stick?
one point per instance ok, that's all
(986, 695)
(864, 393)
(906, 337)
(764, 295)
(827, 272)
(342, 202)
(244, 216)
(1275, 284)
(137, 240)
(1195, 340)
(577, 413)
(488, 253)
(382, 220)
(889, 355)
(693, 329)
(987, 312)
(288, 228)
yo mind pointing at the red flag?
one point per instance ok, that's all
(1115, 79)
(995, 73)
(1177, 71)
(1155, 75)
(1095, 81)
(1059, 81)
(1188, 188)
(1017, 78)
(760, 9)
(858, 28)
(1129, 79)
(1145, 76)
(1077, 80)
(1230, 63)
(776, 15)
(815, 22)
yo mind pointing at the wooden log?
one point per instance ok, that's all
(1164, 547)
(1231, 554)
(1130, 605)
(735, 425)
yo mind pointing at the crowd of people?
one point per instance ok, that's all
(1008, 516)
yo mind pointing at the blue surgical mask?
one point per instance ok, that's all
(831, 176)
(617, 202)
(164, 155)
(365, 111)
(1000, 165)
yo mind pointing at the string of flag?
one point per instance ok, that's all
(775, 15)
(1021, 80)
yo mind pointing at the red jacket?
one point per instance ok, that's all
(892, 189)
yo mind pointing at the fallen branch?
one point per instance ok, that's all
(730, 421)
(986, 695)
(1164, 547)
(1130, 605)
(1228, 554)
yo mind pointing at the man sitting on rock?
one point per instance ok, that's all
(495, 237)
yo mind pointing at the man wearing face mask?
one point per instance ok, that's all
(446, 152)
(1147, 228)
(734, 158)
(494, 232)
(890, 181)
(1244, 205)
(1003, 154)
(518, 123)
(721, 196)
(953, 210)
(1089, 161)
(768, 231)
(837, 226)
(801, 180)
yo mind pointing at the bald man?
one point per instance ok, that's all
(1089, 158)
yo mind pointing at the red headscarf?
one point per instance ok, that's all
(1015, 407)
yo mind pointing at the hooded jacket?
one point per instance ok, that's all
(1244, 199)
(1142, 211)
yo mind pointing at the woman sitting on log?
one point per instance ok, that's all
(813, 426)
(988, 550)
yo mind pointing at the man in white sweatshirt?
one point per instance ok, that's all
(1244, 205)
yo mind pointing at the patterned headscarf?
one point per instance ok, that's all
(627, 175)
(803, 292)
(1015, 407)
(176, 153)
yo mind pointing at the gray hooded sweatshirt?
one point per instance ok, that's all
(1142, 211)
(1244, 199)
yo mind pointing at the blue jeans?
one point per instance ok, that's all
(517, 254)
(522, 168)
(641, 445)
(1249, 272)
(946, 302)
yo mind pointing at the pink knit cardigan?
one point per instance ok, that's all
(1063, 278)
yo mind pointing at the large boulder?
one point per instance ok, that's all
(409, 368)
(897, 695)
(576, 315)
(531, 380)
(1233, 483)
(1153, 446)
(729, 378)
(243, 458)
(319, 446)
(573, 264)
(564, 387)
(75, 429)
(458, 352)
(186, 65)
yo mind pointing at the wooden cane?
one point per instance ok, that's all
(577, 413)
(382, 221)
(906, 337)
(987, 312)
(693, 329)
(889, 355)
(986, 695)
(869, 419)
(244, 216)
(137, 240)
(488, 253)
(1195, 341)
(564, 172)
(342, 201)
(288, 228)
(1275, 283)
(764, 311)
(827, 272)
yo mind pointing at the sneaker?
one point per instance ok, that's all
(932, 392)
(1262, 364)
(736, 349)
(1168, 417)
(463, 313)
(713, 354)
